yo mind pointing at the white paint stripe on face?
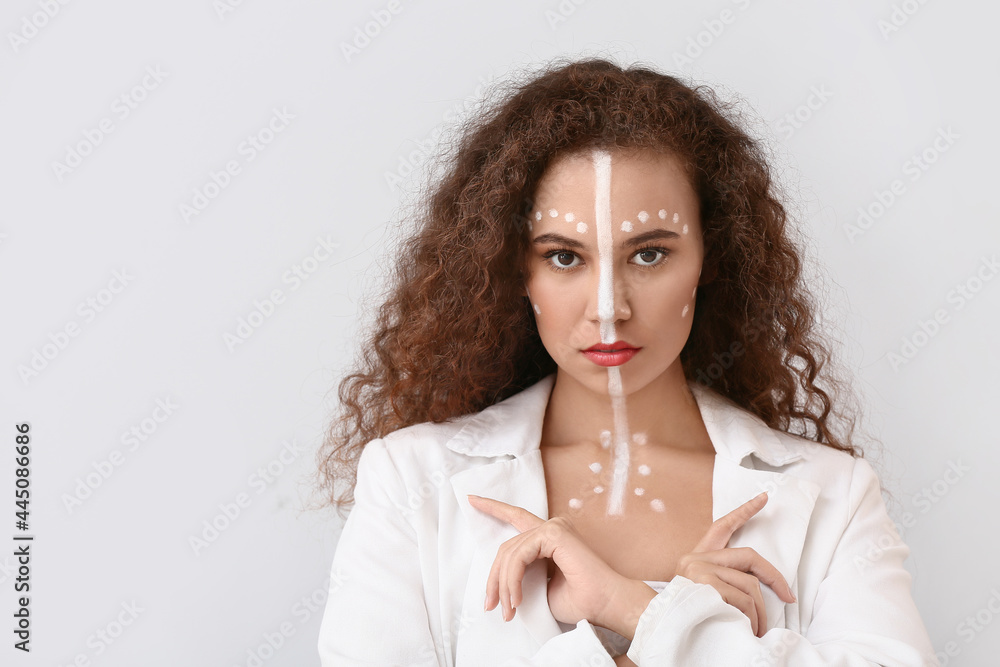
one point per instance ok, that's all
(602, 215)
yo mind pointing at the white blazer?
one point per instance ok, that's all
(409, 574)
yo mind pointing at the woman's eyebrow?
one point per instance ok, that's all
(558, 239)
(651, 235)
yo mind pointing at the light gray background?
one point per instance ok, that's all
(356, 122)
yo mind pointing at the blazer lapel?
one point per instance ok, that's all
(778, 531)
(510, 433)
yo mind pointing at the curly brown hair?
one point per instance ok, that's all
(456, 334)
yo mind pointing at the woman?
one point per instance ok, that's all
(595, 398)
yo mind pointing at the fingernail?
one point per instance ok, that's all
(762, 493)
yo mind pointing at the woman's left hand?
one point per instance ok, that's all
(583, 586)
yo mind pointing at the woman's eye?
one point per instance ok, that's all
(564, 260)
(649, 257)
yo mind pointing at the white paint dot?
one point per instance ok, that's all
(605, 439)
(553, 212)
(538, 215)
(685, 311)
(595, 466)
(598, 489)
(644, 469)
(575, 503)
(581, 227)
(684, 229)
(538, 311)
(662, 214)
(639, 490)
(639, 438)
(677, 217)
(626, 226)
(657, 504)
(643, 217)
(570, 217)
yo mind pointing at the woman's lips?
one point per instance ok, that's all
(614, 354)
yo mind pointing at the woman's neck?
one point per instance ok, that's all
(663, 414)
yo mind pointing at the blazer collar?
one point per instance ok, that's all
(510, 433)
(514, 427)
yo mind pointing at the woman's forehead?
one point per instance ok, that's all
(640, 183)
(635, 188)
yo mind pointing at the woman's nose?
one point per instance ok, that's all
(608, 299)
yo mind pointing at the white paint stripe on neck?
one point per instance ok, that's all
(619, 478)
(605, 251)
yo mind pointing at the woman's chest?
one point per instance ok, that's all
(667, 506)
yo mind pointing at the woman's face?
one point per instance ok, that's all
(614, 261)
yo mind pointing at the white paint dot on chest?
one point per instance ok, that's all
(626, 226)
(538, 215)
(570, 217)
(644, 469)
(581, 227)
(596, 467)
(684, 229)
(639, 490)
(643, 217)
(575, 503)
(657, 504)
(553, 212)
(684, 311)
(677, 217)
(605, 439)
(639, 438)
(598, 489)
(662, 214)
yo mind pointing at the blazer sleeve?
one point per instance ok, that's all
(864, 610)
(376, 614)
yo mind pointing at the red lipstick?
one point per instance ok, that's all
(611, 354)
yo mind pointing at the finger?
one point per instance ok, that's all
(732, 589)
(493, 581)
(524, 554)
(518, 517)
(718, 534)
(741, 601)
(750, 585)
(747, 559)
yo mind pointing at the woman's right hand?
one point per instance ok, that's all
(735, 573)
